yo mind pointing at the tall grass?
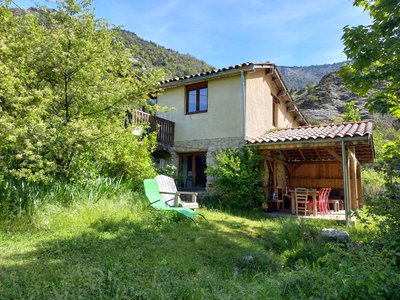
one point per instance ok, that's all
(21, 199)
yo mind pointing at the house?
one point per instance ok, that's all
(220, 109)
(250, 104)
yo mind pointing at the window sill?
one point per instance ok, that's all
(196, 112)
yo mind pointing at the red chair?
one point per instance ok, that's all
(321, 206)
(326, 200)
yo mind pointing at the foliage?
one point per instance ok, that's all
(66, 84)
(111, 244)
(385, 210)
(237, 176)
(351, 112)
(373, 181)
(23, 199)
(374, 50)
(171, 62)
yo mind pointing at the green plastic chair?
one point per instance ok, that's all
(156, 202)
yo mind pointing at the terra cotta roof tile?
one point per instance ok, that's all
(316, 132)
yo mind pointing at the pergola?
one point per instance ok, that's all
(321, 156)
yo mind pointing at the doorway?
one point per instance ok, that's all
(192, 171)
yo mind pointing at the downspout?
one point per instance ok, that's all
(244, 103)
(345, 184)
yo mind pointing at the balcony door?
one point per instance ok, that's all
(192, 167)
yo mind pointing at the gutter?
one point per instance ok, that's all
(359, 138)
(243, 102)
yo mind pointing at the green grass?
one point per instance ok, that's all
(113, 246)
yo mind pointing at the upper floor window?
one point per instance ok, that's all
(196, 98)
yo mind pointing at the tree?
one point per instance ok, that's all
(374, 50)
(68, 81)
(351, 112)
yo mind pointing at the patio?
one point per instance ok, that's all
(315, 157)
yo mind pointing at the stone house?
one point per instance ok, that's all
(219, 109)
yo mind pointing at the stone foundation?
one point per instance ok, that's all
(210, 146)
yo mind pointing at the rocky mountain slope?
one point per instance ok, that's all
(299, 77)
(325, 101)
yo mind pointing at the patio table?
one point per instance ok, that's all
(311, 192)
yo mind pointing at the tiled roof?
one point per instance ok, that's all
(222, 70)
(317, 132)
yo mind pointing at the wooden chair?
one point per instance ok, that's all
(301, 200)
(277, 198)
(171, 195)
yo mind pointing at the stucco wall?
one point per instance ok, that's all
(259, 105)
(223, 118)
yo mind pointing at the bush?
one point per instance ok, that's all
(385, 210)
(373, 181)
(238, 178)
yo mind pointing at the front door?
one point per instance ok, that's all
(192, 167)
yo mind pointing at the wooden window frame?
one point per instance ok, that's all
(193, 154)
(196, 87)
(275, 111)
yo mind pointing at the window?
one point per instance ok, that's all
(196, 98)
(275, 109)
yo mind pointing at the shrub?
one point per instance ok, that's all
(238, 178)
(373, 181)
(384, 208)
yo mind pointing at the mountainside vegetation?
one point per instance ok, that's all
(326, 100)
(299, 77)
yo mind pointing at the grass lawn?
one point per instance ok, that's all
(122, 249)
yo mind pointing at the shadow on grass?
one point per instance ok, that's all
(131, 259)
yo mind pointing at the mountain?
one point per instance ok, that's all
(325, 101)
(299, 77)
(174, 63)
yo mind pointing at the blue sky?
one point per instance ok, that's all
(228, 32)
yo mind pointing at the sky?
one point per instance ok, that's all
(229, 32)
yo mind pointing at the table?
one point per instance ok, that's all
(311, 192)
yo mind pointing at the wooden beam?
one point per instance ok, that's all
(282, 93)
(302, 154)
(300, 145)
(333, 153)
(269, 71)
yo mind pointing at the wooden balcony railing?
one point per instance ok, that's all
(165, 129)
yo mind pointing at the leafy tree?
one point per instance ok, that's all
(375, 70)
(66, 84)
(351, 112)
(374, 50)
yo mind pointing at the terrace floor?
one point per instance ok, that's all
(339, 216)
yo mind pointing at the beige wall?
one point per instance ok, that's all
(259, 105)
(223, 118)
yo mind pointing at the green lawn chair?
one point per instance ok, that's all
(156, 202)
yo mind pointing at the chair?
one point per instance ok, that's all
(326, 200)
(171, 195)
(156, 202)
(277, 198)
(321, 201)
(301, 200)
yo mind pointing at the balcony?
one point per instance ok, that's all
(165, 129)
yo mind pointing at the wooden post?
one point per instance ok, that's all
(359, 186)
(345, 184)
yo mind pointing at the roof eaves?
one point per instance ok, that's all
(217, 73)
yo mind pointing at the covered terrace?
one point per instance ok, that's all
(315, 157)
